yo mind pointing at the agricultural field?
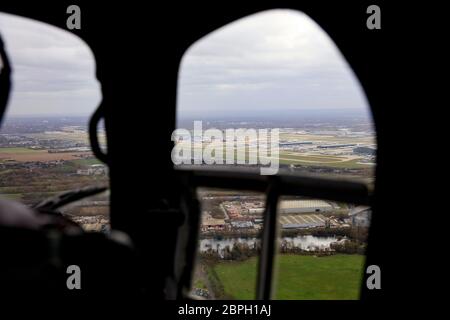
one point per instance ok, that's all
(68, 134)
(299, 277)
(19, 150)
(30, 186)
(24, 155)
(43, 157)
(85, 162)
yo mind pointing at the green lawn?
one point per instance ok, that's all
(199, 283)
(299, 277)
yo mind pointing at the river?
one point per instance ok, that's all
(306, 243)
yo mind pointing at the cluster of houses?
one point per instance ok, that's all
(243, 210)
(294, 214)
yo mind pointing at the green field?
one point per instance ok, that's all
(299, 277)
(290, 157)
(86, 162)
(19, 150)
(12, 196)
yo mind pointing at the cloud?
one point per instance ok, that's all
(267, 63)
(53, 70)
(276, 60)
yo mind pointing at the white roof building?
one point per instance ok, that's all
(303, 206)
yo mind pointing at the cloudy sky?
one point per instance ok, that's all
(54, 71)
(273, 62)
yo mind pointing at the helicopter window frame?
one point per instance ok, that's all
(273, 187)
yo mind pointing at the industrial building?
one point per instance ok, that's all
(242, 224)
(364, 151)
(304, 206)
(304, 221)
(360, 216)
(209, 223)
(302, 225)
(256, 211)
(294, 214)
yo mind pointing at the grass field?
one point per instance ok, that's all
(77, 136)
(12, 196)
(86, 162)
(292, 157)
(299, 277)
(20, 150)
(24, 154)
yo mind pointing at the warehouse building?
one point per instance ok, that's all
(304, 206)
(209, 223)
(302, 225)
(360, 216)
(333, 146)
(365, 151)
(242, 224)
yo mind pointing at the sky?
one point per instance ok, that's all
(274, 62)
(271, 63)
(53, 70)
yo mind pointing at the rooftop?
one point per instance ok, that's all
(290, 204)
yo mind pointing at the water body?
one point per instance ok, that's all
(307, 243)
